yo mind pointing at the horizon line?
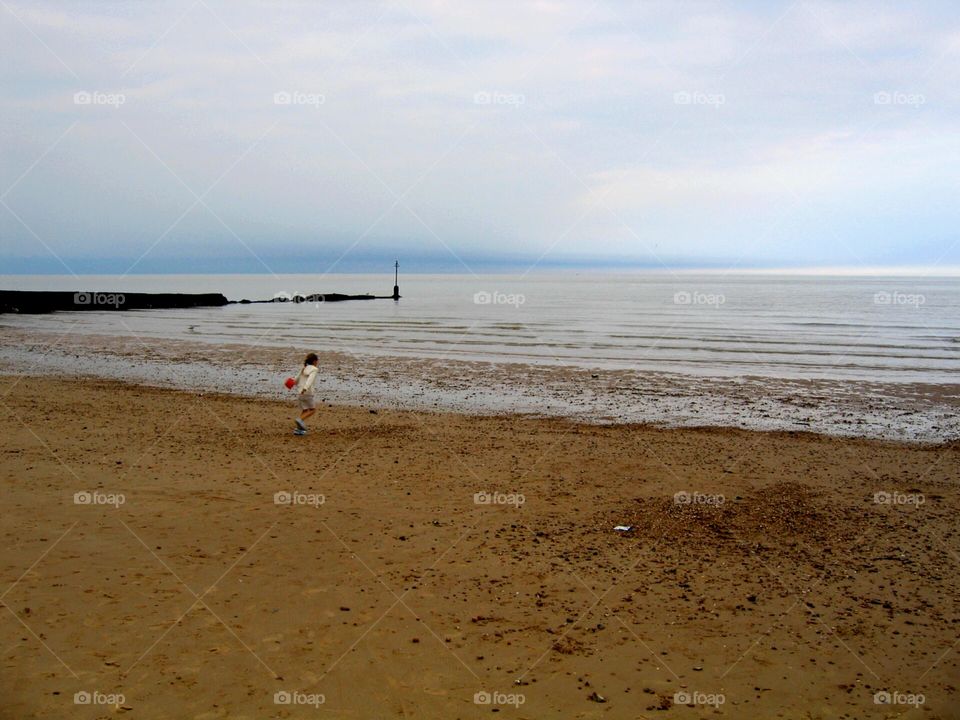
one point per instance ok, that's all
(845, 270)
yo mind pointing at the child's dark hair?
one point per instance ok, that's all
(311, 359)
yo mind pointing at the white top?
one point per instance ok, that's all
(306, 378)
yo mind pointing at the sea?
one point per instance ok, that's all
(715, 337)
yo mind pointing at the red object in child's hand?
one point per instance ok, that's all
(289, 382)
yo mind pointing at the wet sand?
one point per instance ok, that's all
(794, 576)
(922, 412)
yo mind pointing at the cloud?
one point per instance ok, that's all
(489, 129)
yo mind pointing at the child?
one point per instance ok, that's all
(304, 387)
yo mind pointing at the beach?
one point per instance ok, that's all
(538, 360)
(171, 553)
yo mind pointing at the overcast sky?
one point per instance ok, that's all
(288, 136)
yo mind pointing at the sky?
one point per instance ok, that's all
(271, 136)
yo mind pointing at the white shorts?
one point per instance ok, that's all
(308, 401)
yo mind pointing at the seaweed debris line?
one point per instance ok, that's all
(48, 301)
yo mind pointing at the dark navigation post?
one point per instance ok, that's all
(396, 280)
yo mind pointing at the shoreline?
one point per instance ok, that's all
(287, 400)
(911, 412)
(748, 556)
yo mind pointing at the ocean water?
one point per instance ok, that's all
(862, 328)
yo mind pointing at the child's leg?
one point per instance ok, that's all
(304, 414)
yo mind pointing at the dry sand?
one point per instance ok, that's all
(798, 596)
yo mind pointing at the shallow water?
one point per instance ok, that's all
(894, 329)
(771, 353)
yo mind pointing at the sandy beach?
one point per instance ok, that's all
(626, 335)
(180, 555)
